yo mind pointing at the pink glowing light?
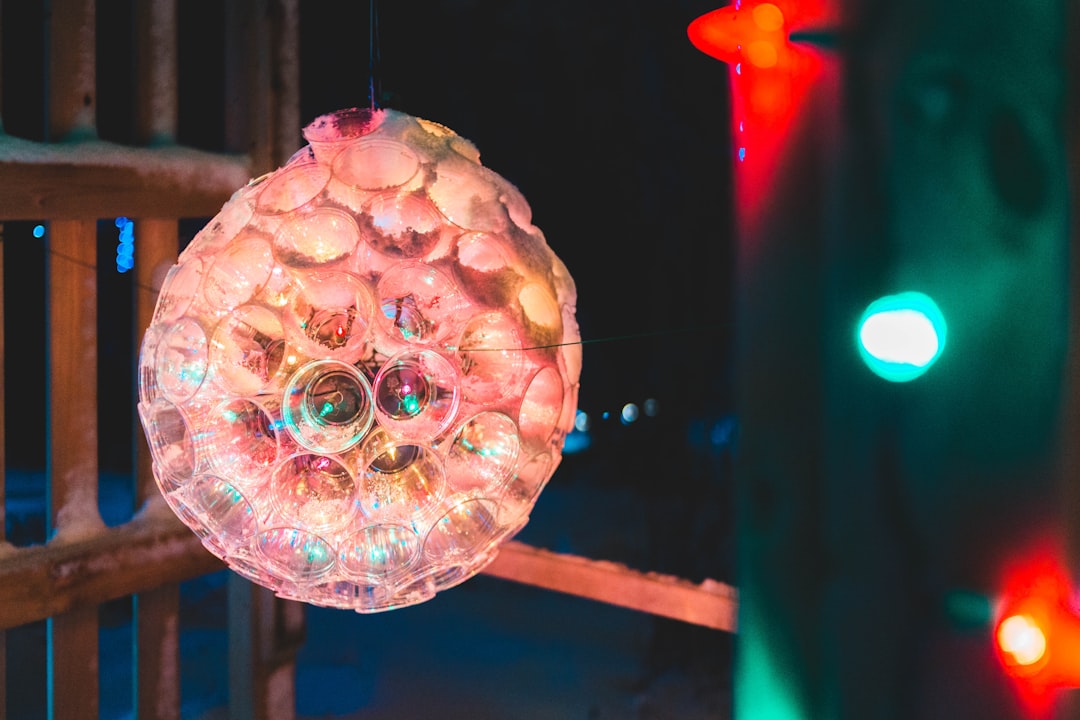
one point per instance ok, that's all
(355, 370)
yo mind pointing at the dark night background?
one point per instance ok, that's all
(617, 132)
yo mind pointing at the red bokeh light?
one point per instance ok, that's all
(771, 79)
(1037, 631)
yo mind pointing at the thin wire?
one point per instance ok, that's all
(373, 53)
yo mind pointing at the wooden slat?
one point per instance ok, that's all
(285, 85)
(157, 611)
(157, 653)
(262, 111)
(248, 106)
(265, 633)
(262, 79)
(44, 580)
(3, 466)
(1, 130)
(96, 179)
(156, 70)
(73, 665)
(73, 437)
(72, 454)
(72, 367)
(157, 638)
(72, 86)
(156, 248)
(711, 604)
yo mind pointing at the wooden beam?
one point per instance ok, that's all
(46, 580)
(711, 604)
(95, 179)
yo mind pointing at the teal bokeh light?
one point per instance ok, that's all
(901, 336)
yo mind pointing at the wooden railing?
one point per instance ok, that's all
(72, 181)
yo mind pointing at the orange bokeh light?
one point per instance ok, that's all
(1037, 634)
(1021, 637)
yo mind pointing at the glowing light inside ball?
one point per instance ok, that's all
(901, 336)
(360, 374)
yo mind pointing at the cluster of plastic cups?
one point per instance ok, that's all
(359, 375)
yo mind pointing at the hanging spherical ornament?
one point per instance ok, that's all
(359, 374)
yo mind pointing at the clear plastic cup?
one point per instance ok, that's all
(295, 555)
(541, 406)
(240, 439)
(313, 491)
(327, 406)
(483, 453)
(182, 359)
(416, 395)
(490, 358)
(171, 445)
(403, 225)
(292, 187)
(247, 349)
(329, 316)
(238, 273)
(222, 510)
(464, 533)
(376, 163)
(316, 239)
(419, 305)
(398, 480)
(379, 552)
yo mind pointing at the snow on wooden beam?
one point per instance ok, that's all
(95, 179)
(711, 604)
(47, 580)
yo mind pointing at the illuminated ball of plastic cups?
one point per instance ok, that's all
(359, 375)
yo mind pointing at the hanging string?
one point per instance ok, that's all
(374, 59)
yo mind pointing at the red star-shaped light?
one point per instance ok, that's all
(738, 33)
(771, 77)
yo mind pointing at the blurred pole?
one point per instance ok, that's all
(926, 154)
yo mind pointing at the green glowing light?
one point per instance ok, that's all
(901, 336)
(411, 404)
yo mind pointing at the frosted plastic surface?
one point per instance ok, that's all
(359, 375)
